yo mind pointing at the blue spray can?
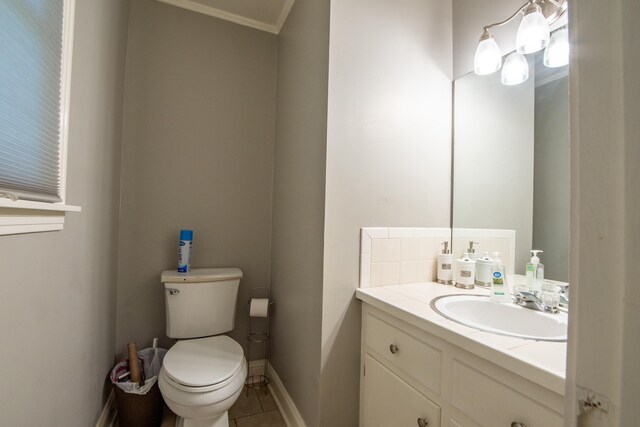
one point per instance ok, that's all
(184, 251)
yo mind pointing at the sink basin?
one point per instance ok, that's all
(478, 311)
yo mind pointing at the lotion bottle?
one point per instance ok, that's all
(445, 264)
(499, 287)
(471, 250)
(531, 271)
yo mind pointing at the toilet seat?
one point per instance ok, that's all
(203, 364)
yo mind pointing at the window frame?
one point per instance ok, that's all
(25, 216)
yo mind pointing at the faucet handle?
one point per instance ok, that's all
(551, 300)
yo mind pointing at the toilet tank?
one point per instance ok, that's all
(201, 302)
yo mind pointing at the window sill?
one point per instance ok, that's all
(22, 216)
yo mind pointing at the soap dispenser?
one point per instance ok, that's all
(465, 272)
(534, 271)
(483, 270)
(499, 287)
(445, 262)
(471, 251)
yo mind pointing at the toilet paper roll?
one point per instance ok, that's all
(259, 307)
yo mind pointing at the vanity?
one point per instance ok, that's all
(419, 368)
(510, 200)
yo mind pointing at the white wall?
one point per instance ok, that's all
(298, 203)
(603, 346)
(198, 140)
(494, 158)
(388, 158)
(59, 289)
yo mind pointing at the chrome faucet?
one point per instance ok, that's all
(531, 300)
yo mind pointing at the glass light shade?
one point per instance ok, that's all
(488, 58)
(557, 52)
(533, 33)
(515, 70)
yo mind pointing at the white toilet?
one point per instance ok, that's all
(203, 374)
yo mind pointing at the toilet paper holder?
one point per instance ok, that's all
(257, 337)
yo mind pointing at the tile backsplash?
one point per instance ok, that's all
(392, 256)
(488, 240)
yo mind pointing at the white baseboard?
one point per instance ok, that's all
(285, 404)
(109, 412)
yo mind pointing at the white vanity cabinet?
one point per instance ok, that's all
(393, 402)
(410, 377)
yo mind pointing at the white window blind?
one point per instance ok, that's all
(31, 33)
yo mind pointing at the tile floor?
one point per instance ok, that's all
(253, 410)
(256, 409)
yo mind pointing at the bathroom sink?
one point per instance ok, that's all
(478, 311)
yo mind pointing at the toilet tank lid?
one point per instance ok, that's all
(201, 275)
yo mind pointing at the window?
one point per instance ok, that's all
(36, 38)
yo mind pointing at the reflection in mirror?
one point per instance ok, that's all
(511, 168)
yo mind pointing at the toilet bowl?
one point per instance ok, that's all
(203, 374)
(202, 378)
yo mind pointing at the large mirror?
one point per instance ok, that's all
(511, 167)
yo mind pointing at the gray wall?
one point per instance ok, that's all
(388, 158)
(630, 389)
(493, 152)
(552, 173)
(298, 203)
(198, 145)
(59, 289)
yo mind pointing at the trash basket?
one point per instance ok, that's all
(139, 410)
(140, 406)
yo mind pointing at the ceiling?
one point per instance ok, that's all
(265, 15)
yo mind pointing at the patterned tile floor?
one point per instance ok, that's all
(254, 409)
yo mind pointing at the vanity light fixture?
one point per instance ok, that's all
(557, 52)
(488, 58)
(533, 32)
(515, 70)
(533, 35)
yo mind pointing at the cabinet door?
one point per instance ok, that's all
(491, 403)
(391, 402)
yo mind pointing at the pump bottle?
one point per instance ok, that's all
(499, 287)
(471, 252)
(534, 271)
(445, 264)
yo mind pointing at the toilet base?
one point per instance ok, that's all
(221, 421)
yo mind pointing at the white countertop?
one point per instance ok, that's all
(541, 362)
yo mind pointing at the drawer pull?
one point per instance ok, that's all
(393, 348)
(422, 422)
(517, 424)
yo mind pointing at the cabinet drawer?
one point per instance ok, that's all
(391, 402)
(494, 404)
(416, 358)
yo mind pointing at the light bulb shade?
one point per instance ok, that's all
(488, 58)
(533, 33)
(557, 52)
(515, 70)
